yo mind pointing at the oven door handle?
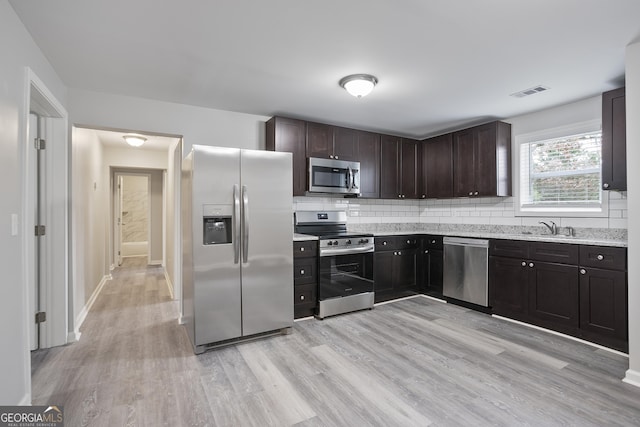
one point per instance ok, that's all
(346, 251)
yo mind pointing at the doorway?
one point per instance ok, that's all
(132, 214)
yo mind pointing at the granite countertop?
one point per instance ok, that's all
(508, 236)
(303, 237)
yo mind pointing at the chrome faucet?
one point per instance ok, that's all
(553, 228)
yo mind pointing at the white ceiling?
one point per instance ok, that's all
(115, 139)
(440, 64)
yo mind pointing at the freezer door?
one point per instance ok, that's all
(267, 235)
(216, 269)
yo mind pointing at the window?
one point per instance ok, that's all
(560, 172)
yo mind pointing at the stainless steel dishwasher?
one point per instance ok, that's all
(466, 263)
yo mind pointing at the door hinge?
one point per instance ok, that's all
(41, 316)
(118, 252)
(41, 144)
(40, 230)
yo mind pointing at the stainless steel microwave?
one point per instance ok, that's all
(333, 176)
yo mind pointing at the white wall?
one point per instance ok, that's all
(18, 51)
(632, 99)
(197, 125)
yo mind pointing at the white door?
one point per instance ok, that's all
(119, 223)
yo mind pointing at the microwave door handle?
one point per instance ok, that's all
(353, 180)
(236, 225)
(245, 225)
(349, 178)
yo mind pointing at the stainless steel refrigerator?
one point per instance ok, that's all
(237, 241)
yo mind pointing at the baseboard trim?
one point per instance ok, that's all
(632, 377)
(169, 284)
(73, 336)
(560, 334)
(85, 310)
(155, 262)
(182, 320)
(26, 400)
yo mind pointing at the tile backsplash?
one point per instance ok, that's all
(476, 211)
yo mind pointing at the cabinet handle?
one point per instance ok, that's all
(583, 271)
(531, 264)
(605, 185)
(301, 297)
(600, 257)
(301, 249)
(524, 263)
(302, 272)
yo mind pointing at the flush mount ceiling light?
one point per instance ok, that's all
(134, 140)
(359, 85)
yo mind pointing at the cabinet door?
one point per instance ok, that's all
(410, 169)
(614, 140)
(508, 286)
(553, 296)
(383, 271)
(289, 135)
(319, 140)
(405, 269)
(484, 146)
(345, 144)
(463, 164)
(437, 167)
(434, 271)
(368, 154)
(389, 167)
(603, 307)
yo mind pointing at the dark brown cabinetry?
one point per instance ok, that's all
(305, 278)
(289, 135)
(399, 168)
(541, 283)
(437, 167)
(432, 263)
(603, 296)
(331, 142)
(395, 267)
(482, 161)
(614, 140)
(368, 154)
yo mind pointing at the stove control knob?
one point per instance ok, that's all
(329, 243)
(335, 243)
(348, 242)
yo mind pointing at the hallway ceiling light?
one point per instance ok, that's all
(134, 140)
(359, 85)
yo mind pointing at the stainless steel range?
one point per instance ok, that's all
(345, 281)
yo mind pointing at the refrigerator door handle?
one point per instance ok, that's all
(245, 225)
(236, 226)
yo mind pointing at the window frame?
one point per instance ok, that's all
(564, 210)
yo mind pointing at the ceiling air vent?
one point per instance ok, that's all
(530, 91)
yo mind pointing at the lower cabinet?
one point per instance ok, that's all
(432, 265)
(569, 296)
(395, 267)
(305, 278)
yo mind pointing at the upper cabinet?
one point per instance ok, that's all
(331, 142)
(614, 141)
(482, 161)
(437, 167)
(399, 168)
(368, 154)
(289, 135)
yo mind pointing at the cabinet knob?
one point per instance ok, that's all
(583, 271)
(399, 195)
(395, 253)
(471, 193)
(301, 249)
(524, 263)
(403, 196)
(301, 297)
(335, 157)
(384, 243)
(600, 257)
(302, 272)
(433, 241)
(408, 242)
(331, 156)
(605, 185)
(426, 252)
(399, 253)
(475, 193)
(531, 264)
(424, 196)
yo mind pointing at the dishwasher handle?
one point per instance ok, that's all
(464, 241)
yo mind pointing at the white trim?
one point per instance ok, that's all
(26, 400)
(303, 318)
(538, 328)
(557, 211)
(632, 377)
(434, 298)
(182, 320)
(87, 307)
(168, 282)
(155, 262)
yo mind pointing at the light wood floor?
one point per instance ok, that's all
(411, 362)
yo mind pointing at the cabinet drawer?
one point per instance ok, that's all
(432, 242)
(603, 257)
(391, 243)
(304, 294)
(509, 248)
(305, 249)
(304, 271)
(561, 253)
